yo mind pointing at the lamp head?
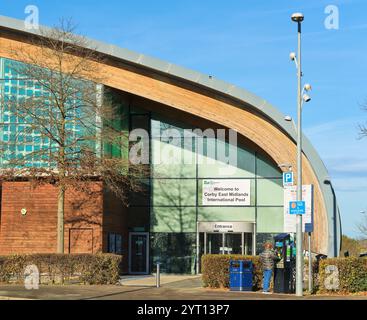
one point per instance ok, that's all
(288, 118)
(297, 17)
(292, 56)
(307, 87)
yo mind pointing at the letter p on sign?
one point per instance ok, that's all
(287, 179)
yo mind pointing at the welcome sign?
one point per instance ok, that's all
(226, 192)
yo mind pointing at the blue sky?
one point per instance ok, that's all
(248, 43)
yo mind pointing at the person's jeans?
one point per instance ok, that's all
(266, 279)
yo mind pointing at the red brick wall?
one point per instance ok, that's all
(35, 232)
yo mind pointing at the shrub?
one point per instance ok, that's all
(215, 270)
(352, 274)
(61, 268)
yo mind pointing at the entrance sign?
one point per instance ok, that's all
(297, 207)
(225, 227)
(290, 220)
(288, 179)
(226, 192)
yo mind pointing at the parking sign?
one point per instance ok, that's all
(287, 179)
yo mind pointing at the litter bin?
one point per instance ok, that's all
(240, 275)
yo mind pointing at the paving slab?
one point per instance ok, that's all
(150, 280)
(190, 288)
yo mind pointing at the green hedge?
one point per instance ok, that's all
(61, 268)
(215, 270)
(352, 274)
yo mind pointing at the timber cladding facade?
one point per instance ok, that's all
(164, 92)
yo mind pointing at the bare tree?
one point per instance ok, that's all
(362, 128)
(362, 227)
(66, 118)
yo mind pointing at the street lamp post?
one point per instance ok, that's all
(298, 18)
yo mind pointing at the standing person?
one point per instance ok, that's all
(267, 258)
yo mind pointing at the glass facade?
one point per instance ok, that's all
(178, 167)
(27, 140)
(15, 143)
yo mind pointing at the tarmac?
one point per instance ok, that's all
(173, 287)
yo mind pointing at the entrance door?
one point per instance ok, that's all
(214, 244)
(233, 243)
(225, 243)
(139, 252)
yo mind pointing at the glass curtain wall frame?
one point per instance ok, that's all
(20, 142)
(166, 182)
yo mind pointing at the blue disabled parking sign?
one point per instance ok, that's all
(287, 179)
(297, 207)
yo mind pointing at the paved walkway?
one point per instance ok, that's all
(183, 288)
(150, 280)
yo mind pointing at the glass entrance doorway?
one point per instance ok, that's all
(226, 243)
(233, 237)
(138, 253)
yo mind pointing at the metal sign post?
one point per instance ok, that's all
(309, 264)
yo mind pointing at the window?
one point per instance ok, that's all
(226, 213)
(175, 251)
(173, 219)
(241, 162)
(174, 192)
(270, 192)
(270, 219)
(114, 243)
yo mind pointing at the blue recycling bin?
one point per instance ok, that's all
(240, 275)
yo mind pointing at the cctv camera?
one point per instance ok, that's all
(307, 87)
(306, 98)
(292, 56)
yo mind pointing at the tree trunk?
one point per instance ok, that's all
(60, 219)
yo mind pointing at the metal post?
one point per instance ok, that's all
(254, 241)
(158, 276)
(205, 239)
(223, 241)
(242, 243)
(197, 248)
(309, 264)
(299, 258)
(246, 243)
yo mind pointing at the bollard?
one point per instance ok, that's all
(158, 276)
